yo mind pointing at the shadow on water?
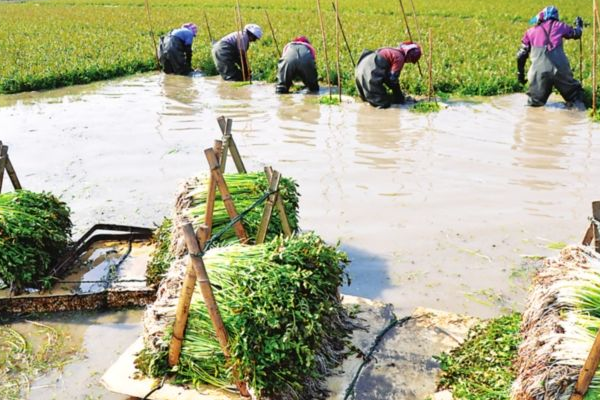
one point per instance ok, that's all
(368, 271)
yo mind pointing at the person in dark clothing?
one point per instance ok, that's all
(549, 64)
(297, 62)
(379, 69)
(175, 50)
(229, 59)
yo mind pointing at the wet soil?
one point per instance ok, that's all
(442, 210)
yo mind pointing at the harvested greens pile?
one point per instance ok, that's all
(559, 326)
(35, 230)
(280, 306)
(482, 367)
(245, 189)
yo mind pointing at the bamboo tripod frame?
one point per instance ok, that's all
(592, 236)
(196, 270)
(6, 165)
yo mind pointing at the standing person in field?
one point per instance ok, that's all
(378, 70)
(297, 62)
(229, 58)
(549, 64)
(175, 50)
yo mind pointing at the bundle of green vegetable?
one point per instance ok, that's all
(559, 326)
(35, 230)
(482, 367)
(280, 306)
(245, 189)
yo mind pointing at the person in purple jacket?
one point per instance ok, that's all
(550, 67)
(175, 50)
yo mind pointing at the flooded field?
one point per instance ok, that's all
(444, 210)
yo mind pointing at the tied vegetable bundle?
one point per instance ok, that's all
(245, 189)
(280, 306)
(559, 327)
(35, 230)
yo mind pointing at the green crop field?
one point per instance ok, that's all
(54, 43)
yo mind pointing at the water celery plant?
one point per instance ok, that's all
(245, 189)
(35, 230)
(280, 306)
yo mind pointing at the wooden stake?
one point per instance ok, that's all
(182, 311)
(339, 21)
(581, 60)
(225, 195)
(587, 371)
(273, 33)
(212, 190)
(210, 36)
(285, 223)
(409, 34)
(337, 51)
(3, 157)
(268, 210)
(12, 174)
(147, 4)
(414, 10)
(324, 45)
(595, 58)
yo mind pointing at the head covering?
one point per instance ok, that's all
(546, 14)
(191, 26)
(254, 29)
(302, 39)
(413, 48)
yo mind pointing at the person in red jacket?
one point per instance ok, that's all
(378, 70)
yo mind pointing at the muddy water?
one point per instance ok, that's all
(440, 210)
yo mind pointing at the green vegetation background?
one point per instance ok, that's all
(53, 43)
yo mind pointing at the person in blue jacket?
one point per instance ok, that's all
(175, 50)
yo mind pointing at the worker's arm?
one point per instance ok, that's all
(522, 55)
(576, 31)
(393, 82)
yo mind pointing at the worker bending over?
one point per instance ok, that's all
(175, 50)
(549, 64)
(229, 53)
(379, 69)
(297, 62)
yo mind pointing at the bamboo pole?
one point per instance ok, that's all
(595, 58)
(235, 154)
(225, 195)
(337, 51)
(268, 210)
(3, 157)
(324, 45)
(210, 36)
(243, 53)
(273, 33)
(587, 371)
(285, 223)
(195, 248)
(339, 21)
(182, 311)
(414, 12)
(430, 64)
(409, 33)
(212, 190)
(581, 59)
(12, 174)
(155, 47)
(596, 231)
(226, 125)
